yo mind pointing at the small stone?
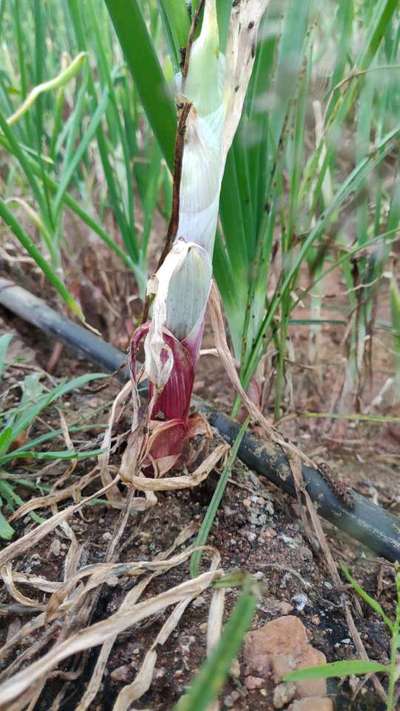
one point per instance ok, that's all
(300, 600)
(285, 607)
(288, 540)
(55, 547)
(230, 699)
(283, 694)
(312, 704)
(281, 646)
(305, 553)
(235, 669)
(268, 533)
(35, 559)
(253, 682)
(112, 581)
(107, 536)
(269, 507)
(280, 636)
(122, 673)
(199, 601)
(250, 535)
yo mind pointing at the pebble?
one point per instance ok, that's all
(235, 669)
(305, 553)
(112, 581)
(288, 540)
(250, 535)
(253, 682)
(230, 700)
(268, 533)
(122, 673)
(55, 547)
(284, 694)
(258, 519)
(300, 600)
(198, 601)
(285, 607)
(279, 647)
(274, 606)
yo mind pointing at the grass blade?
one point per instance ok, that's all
(337, 669)
(81, 149)
(28, 414)
(215, 501)
(57, 82)
(148, 76)
(177, 19)
(5, 341)
(370, 601)
(6, 531)
(211, 677)
(34, 252)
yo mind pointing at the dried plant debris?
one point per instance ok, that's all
(64, 610)
(118, 618)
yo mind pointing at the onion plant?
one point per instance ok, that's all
(310, 180)
(266, 239)
(284, 207)
(71, 139)
(211, 90)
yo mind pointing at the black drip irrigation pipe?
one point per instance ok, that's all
(366, 522)
(35, 311)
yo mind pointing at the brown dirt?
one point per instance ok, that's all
(257, 527)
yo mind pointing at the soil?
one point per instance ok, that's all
(257, 529)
